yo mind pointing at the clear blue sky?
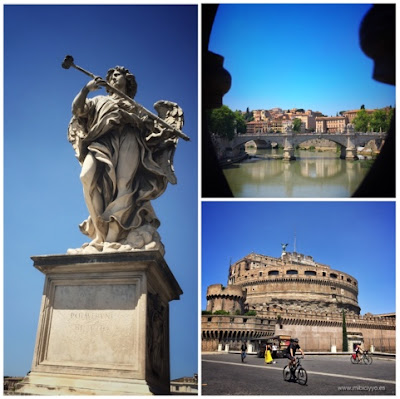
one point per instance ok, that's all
(43, 200)
(357, 238)
(296, 56)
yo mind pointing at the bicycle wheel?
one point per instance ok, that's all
(367, 359)
(301, 375)
(353, 361)
(286, 373)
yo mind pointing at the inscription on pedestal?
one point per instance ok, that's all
(93, 323)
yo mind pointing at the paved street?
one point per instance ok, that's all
(225, 374)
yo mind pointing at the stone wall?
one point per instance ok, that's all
(316, 331)
(216, 329)
(315, 338)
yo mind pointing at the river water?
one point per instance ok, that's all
(312, 175)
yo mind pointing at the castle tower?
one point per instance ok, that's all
(229, 299)
(294, 282)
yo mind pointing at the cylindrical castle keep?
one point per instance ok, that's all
(293, 282)
(230, 299)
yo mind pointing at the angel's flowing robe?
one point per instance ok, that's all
(113, 133)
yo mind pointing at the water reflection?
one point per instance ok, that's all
(313, 174)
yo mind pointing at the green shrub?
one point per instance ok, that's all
(251, 313)
(221, 312)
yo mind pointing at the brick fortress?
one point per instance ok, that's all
(291, 295)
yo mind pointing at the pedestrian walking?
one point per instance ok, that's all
(243, 350)
(268, 356)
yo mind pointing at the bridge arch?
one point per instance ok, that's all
(341, 141)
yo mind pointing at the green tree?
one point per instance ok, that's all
(390, 115)
(248, 116)
(240, 122)
(222, 122)
(345, 346)
(296, 125)
(379, 120)
(361, 121)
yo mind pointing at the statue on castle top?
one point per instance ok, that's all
(284, 247)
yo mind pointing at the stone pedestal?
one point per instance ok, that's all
(104, 325)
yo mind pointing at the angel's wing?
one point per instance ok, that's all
(163, 141)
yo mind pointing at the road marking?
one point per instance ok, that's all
(308, 372)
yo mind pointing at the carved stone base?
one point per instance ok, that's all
(104, 325)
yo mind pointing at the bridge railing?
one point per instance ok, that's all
(312, 134)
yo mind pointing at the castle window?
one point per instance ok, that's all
(333, 288)
(349, 280)
(260, 274)
(333, 275)
(334, 296)
(244, 320)
(209, 319)
(292, 272)
(273, 273)
(323, 274)
(310, 273)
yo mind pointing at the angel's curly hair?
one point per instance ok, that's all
(131, 85)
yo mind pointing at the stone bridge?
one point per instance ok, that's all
(348, 141)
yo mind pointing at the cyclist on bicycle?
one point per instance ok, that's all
(291, 352)
(358, 351)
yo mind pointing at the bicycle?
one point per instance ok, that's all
(297, 370)
(365, 357)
